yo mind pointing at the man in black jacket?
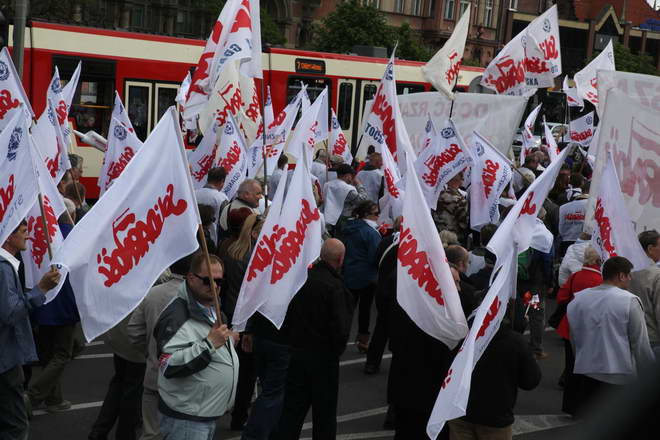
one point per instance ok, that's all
(319, 319)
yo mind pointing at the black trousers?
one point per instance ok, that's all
(122, 403)
(13, 415)
(410, 424)
(312, 381)
(247, 377)
(381, 331)
(365, 297)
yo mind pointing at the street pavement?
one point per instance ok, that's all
(362, 399)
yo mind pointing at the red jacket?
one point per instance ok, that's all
(588, 276)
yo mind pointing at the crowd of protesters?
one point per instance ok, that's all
(178, 366)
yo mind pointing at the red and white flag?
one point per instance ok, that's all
(338, 144)
(183, 90)
(18, 183)
(550, 142)
(35, 257)
(572, 97)
(203, 158)
(236, 35)
(61, 98)
(452, 399)
(12, 94)
(50, 140)
(442, 70)
(250, 116)
(586, 80)
(532, 59)
(425, 288)
(528, 141)
(391, 204)
(516, 230)
(290, 240)
(613, 231)
(581, 130)
(146, 220)
(232, 157)
(309, 129)
(436, 165)
(491, 173)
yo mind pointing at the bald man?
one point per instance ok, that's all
(319, 320)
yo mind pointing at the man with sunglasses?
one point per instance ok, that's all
(198, 370)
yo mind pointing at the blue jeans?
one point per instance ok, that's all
(182, 429)
(272, 362)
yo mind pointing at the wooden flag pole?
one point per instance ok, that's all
(44, 224)
(214, 288)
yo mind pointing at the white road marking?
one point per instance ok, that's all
(94, 356)
(41, 412)
(360, 435)
(93, 343)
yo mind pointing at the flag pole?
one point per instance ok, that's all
(451, 109)
(263, 138)
(44, 224)
(207, 259)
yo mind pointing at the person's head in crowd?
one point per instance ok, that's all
(543, 156)
(332, 253)
(486, 233)
(376, 160)
(564, 176)
(577, 180)
(586, 187)
(198, 277)
(17, 240)
(235, 220)
(321, 156)
(346, 173)
(456, 276)
(616, 271)
(366, 210)
(585, 236)
(66, 180)
(182, 265)
(240, 248)
(206, 215)
(396, 225)
(336, 161)
(531, 162)
(528, 176)
(458, 256)
(76, 192)
(650, 241)
(69, 219)
(216, 177)
(591, 257)
(371, 149)
(448, 238)
(76, 166)
(283, 161)
(456, 181)
(250, 192)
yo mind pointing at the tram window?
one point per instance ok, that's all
(315, 86)
(369, 92)
(344, 105)
(165, 97)
(138, 109)
(406, 88)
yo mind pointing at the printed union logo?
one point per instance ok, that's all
(229, 129)
(590, 120)
(389, 71)
(447, 132)
(51, 116)
(4, 71)
(14, 142)
(120, 132)
(546, 25)
(335, 124)
(429, 126)
(55, 86)
(523, 40)
(480, 149)
(268, 101)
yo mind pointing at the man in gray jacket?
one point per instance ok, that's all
(198, 364)
(16, 342)
(646, 285)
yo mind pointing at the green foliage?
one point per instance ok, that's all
(270, 32)
(626, 61)
(410, 46)
(471, 62)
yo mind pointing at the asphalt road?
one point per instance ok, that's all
(362, 403)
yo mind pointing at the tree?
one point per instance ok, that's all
(270, 32)
(411, 46)
(351, 24)
(626, 61)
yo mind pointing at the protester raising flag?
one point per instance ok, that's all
(581, 130)
(232, 157)
(338, 144)
(11, 91)
(442, 70)
(290, 240)
(528, 141)
(204, 157)
(452, 399)
(147, 220)
(425, 287)
(550, 142)
(491, 172)
(61, 97)
(18, 183)
(532, 59)
(613, 232)
(50, 140)
(236, 35)
(444, 158)
(586, 80)
(36, 257)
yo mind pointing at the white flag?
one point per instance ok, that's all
(586, 80)
(571, 94)
(61, 98)
(290, 240)
(442, 70)
(232, 157)
(391, 204)
(203, 158)
(12, 94)
(444, 158)
(35, 257)
(528, 141)
(491, 172)
(312, 121)
(452, 399)
(550, 142)
(425, 287)
(338, 144)
(50, 140)
(183, 90)
(146, 220)
(18, 183)
(516, 231)
(581, 130)
(613, 232)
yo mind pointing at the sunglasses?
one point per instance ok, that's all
(207, 281)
